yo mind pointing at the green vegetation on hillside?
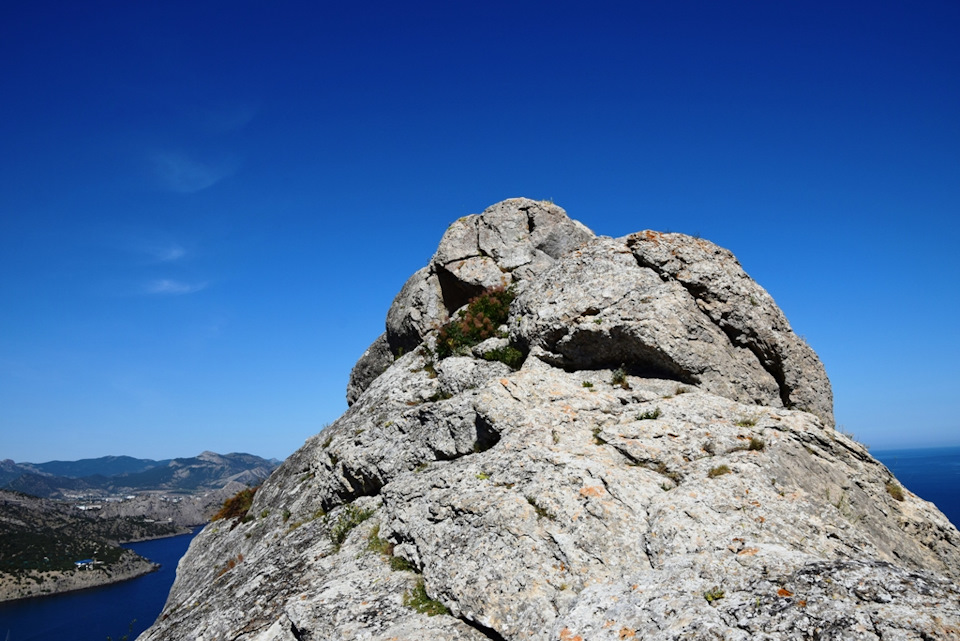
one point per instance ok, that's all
(38, 534)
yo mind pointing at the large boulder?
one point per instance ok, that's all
(512, 241)
(661, 466)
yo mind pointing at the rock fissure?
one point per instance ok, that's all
(486, 631)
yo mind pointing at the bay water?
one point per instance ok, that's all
(932, 474)
(115, 611)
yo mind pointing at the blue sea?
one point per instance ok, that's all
(931, 474)
(98, 613)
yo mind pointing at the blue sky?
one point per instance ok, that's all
(206, 208)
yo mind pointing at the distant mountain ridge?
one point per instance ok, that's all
(117, 474)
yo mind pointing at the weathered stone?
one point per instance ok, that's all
(372, 364)
(741, 309)
(673, 498)
(598, 308)
(511, 241)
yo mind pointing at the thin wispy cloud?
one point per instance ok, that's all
(229, 118)
(185, 174)
(169, 287)
(169, 253)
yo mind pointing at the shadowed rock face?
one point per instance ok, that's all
(646, 474)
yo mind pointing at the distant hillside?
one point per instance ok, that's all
(41, 541)
(124, 474)
(103, 466)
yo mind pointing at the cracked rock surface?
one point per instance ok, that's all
(647, 473)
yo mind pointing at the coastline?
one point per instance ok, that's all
(186, 529)
(32, 584)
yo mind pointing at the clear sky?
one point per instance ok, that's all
(206, 208)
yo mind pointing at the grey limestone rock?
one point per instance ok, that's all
(372, 364)
(675, 498)
(509, 242)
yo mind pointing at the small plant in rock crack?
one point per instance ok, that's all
(587, 384)
(662, 469)
(508, 355)
(895, 491)
(597, 439)
(719, 470)
(756, 444)
(378, 545)
(713, 594)
(541, 511)
(349, 518)
(746, 422)
(649, 415)
(418, 599)
(400, 564)
(619, 378)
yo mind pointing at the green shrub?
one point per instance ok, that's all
(237, 505)
(418, 599)
(712, 595)
(756, 444)
(478, 322)
(349, 518)
(508, 355)
(649, 415)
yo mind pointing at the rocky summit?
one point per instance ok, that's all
(571, 437)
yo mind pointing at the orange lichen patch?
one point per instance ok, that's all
(748, 551)
(784, 592)
(802, 603)
(505, 382)
(567, 635)
(651, 235)
(595, 491)
(609, 623)
(755, 503)
(760, 519)
(627, 633)
(693, 495)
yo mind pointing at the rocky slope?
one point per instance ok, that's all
(661, 465)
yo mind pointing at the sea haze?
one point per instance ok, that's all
(932, 474)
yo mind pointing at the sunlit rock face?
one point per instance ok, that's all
(658, 463)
